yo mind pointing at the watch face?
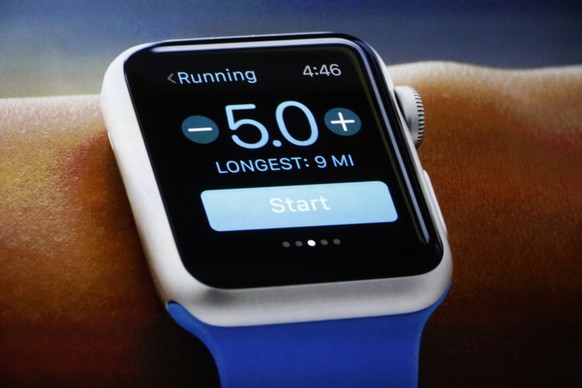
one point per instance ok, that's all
(281, 162)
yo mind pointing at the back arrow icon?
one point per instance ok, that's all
(170, 78)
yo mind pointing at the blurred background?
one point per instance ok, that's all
(58, 47)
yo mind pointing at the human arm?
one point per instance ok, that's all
(503, 149)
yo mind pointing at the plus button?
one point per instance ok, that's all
(342, 121)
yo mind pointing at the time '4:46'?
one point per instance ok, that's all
(326, 70)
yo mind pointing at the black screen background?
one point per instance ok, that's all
(184, 169)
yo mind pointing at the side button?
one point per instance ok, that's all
(435, 203)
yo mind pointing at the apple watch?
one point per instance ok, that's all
(285, 215)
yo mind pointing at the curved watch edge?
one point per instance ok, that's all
(256, 306)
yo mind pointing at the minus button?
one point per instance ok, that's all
(200, 129)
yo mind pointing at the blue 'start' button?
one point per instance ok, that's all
(298, 206)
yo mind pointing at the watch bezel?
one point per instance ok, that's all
(265, 305)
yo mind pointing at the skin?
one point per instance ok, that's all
(504, 152)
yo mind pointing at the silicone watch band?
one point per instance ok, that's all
(362, 352)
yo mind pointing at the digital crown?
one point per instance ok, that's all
(411, 106)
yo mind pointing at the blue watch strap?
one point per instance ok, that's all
(361, 352)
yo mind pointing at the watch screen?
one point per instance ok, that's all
(281, 162)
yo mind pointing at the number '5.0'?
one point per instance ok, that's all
(262, 130)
